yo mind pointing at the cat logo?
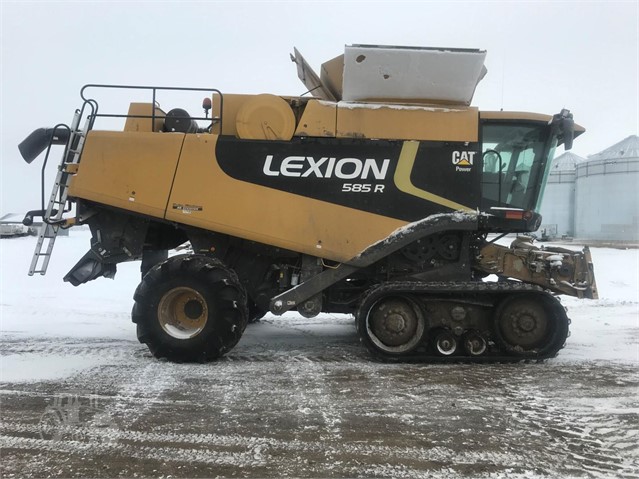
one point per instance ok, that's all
(463, 160)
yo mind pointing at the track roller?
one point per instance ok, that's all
(445, 343)
(474, 343)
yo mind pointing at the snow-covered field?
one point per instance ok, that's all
(297, 397)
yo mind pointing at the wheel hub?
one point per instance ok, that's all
(421, 250)
(193, 309)
(446, 344)
(475, 344)
(524, 325)
(182, 313)
(395, 323)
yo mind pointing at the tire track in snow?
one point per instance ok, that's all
(132, 349)
(562, 426)
(211, 442)
(312, 400)
(141, 388)
(137, 451)
(73, 347)
(293, 358)
(312, 395)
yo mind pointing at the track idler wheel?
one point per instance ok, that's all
(531, 326)
(393, 325)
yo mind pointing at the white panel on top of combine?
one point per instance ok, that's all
(411, 74)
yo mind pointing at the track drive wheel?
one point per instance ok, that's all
(391, 326)
(533, 326)
(190, 308)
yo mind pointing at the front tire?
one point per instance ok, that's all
(190, 308)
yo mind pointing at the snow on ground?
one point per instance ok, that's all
(300, 397)
(607, 328)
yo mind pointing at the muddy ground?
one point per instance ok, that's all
(302, 398)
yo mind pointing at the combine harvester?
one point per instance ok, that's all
(373, 197)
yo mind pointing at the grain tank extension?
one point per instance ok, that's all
(380, 194)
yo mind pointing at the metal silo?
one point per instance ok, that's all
(558, 205)
(607, 193)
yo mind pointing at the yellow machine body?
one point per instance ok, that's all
(152, 172)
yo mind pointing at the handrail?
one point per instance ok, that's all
(153, 90)
(44, 165)
(69, 153)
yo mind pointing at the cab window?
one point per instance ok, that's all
(513, 157)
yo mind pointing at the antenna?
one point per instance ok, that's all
(503, 79)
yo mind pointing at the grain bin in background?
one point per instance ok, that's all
(607, 193)
(558, 205)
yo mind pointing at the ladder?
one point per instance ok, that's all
(53, 217)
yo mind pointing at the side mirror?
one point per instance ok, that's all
(563, 121)
(568, 129)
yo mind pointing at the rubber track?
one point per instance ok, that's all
(459, 292)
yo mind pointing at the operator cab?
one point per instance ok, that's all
(517, 149)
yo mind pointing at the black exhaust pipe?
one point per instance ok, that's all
(39, 140)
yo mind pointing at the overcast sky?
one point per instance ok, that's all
(542, 56)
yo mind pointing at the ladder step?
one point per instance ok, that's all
(58, 198)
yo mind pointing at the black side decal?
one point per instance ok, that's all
(356, 173)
